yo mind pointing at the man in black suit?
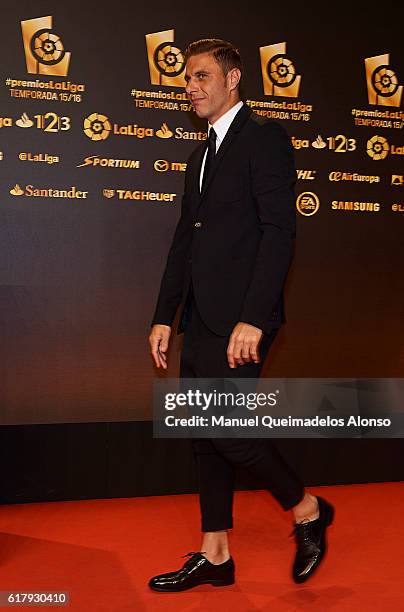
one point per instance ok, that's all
(227, 265)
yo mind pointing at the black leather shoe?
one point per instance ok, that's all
(311, 542)
(197, 570)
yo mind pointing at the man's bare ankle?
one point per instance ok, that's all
(308, 511)
(217, 558)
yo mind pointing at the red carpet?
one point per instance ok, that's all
(104, 551)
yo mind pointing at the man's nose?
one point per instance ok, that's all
(191, 87)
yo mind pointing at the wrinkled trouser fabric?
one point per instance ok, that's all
(204, 355)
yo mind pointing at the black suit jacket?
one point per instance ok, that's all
(235, 239)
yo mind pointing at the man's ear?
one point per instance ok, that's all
(233, 76)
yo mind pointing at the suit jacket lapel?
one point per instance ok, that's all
(235, 127)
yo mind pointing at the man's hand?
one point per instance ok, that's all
(243, 345)
(158, 339)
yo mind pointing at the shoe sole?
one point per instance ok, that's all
(215, 583)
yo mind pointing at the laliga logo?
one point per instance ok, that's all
(166, 62)
(44, 50)
(377, 147)
(97, 127)
(278, 72)
(382, 82)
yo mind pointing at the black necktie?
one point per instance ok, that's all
(209, 156)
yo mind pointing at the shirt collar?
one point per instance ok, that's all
(223, 123)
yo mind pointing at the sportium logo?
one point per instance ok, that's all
(307, 203)
(278, 72)
(44, 49)
(382, 82)
(107, 162)
(166, 60)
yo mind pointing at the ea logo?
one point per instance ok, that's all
(307, 203)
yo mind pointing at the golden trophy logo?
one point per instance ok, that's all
(166, 61)
(307, 203)
(44, 50)
(24, 121)
(16, 191)
(397, 179)
(377, 147)
(97, 127)
(319, 143)
(382, 82)
(108, 193)
(164, 131)
(278, 72)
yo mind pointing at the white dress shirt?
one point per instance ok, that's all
(220, 126)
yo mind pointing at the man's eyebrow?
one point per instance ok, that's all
(187, 77)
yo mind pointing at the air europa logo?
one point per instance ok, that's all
(70, 193)
(353, 176)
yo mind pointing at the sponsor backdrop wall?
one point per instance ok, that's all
(95, 132)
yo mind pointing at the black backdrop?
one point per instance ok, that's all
(79, 276)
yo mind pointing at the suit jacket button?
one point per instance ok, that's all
(198, 224)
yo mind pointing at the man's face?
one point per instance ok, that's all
(210, 92)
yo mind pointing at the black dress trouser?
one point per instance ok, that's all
(204, 355)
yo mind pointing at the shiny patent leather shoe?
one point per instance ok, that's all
(310, 538)
(197, 570)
